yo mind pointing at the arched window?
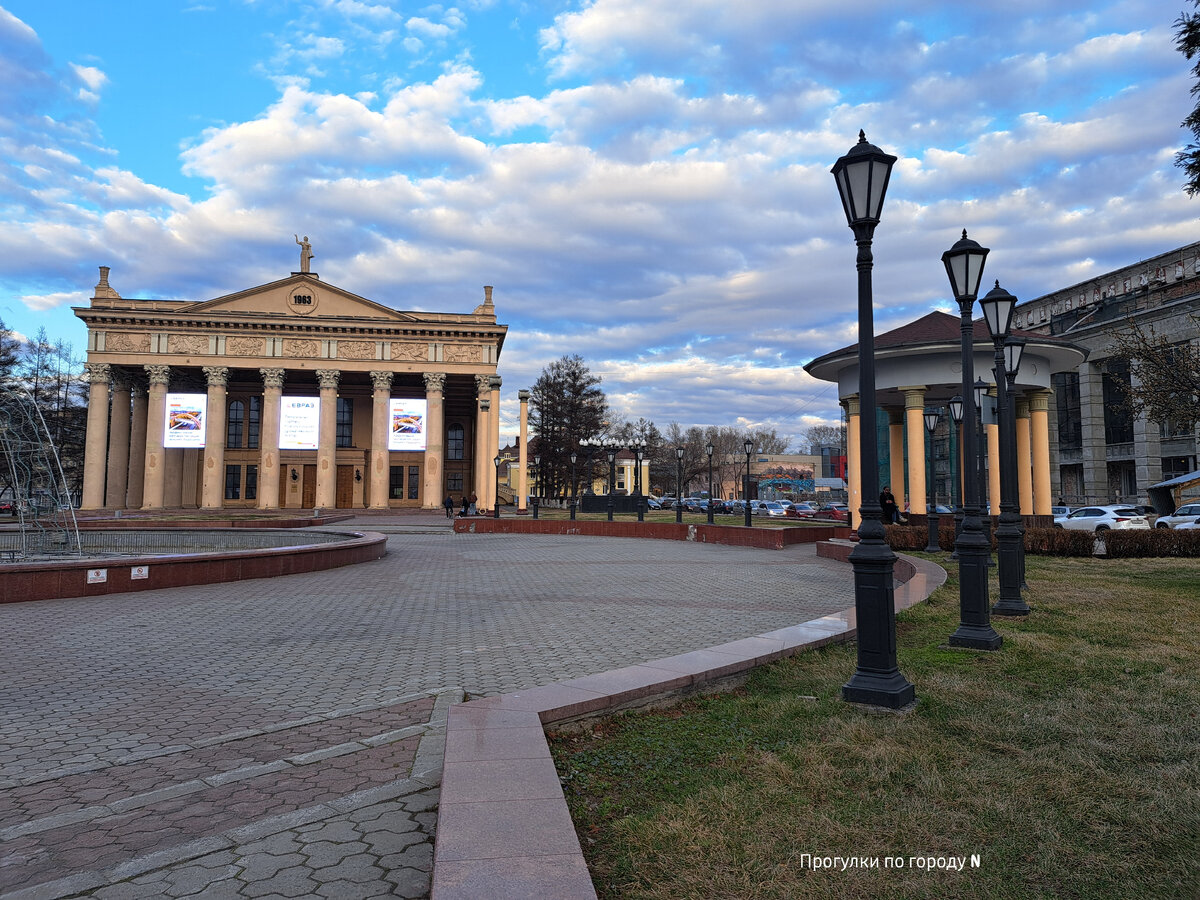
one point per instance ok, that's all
(454, 442)
(235, 425)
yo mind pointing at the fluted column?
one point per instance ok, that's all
(993, 461)
(914, 422)
(1039, 447)
(1024, 459)
(95, 446)
(381, 395)
(268, 439)
(493, 440)
(327, 439)
(117, 477)
(523, 453)
(212, 490)
(156, 423)
(435, 443)
(853, 460)
(136, 484)
(896, 453)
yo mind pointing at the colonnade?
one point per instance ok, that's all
(127, 466)
(907, 428)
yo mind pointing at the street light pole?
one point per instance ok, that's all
(997, 306)
(862, 177)
(985, 511)
(931, 422)
(956, 467)
(708, 448)
(496, 504)
(611, 453)
(574, 485)
(748, 445)
(679, 484)
(964, 266)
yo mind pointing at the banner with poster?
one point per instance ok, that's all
(187, 417)
(406, 423)
(299, 423)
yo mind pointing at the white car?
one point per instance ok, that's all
(773, 509)
(1103, 518)
(1188, 513)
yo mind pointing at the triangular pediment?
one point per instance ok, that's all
(300, 297)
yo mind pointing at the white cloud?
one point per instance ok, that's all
(42, 302)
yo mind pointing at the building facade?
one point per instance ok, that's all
(1100, 452)
(295, 394)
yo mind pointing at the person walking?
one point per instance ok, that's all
(449, 504)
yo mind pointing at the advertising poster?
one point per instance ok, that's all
(185, 420)
(299, 423)
(406, 424)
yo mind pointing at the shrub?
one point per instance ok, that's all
(1059, 542)
(1131, 543)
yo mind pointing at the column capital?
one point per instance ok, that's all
(495, 381)
(1022, 408)
(523, 396)
(272, 378)
(485, 403)
(483, 385)
(158, 374)
(121, 380)
(852, 405)
(218, 376)
(381, 381)
(914, 396)
(435, 382)
(1039, 401)
(98, 373)
(328, 378)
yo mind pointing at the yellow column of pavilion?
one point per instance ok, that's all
(896, 453)
(1024, 458)
(1039, 408)
(853, 459)
(914, 420)
(992, 436)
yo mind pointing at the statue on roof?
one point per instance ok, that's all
(306, 253)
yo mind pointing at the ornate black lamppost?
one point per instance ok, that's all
(862, 178)
(931, 422)
(997, 306)
(956, 469)
(1014, 348)
(981, 474)
(639, 499)
(496, 503)
(574, 488)
(749, 447)
(964, 266)
(537, 481)
(708, 448)
(678, 484)
(611, 453)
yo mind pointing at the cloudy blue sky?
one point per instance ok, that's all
(645, 182)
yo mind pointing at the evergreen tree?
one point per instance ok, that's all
(566, 408)
(1187, 42)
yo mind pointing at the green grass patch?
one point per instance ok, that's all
(1069, 760)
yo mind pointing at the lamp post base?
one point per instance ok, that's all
(976, 637)
(890, 690)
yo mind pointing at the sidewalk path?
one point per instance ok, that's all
(282, 736)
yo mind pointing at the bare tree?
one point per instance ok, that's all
(1165, 375)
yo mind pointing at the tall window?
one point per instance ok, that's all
(254, 423)
(233, 482)
(234, 425)
(1070, 417)
(345, 422)
(414, 482)
(454, 442)
(251, 482)
(396, 482)
(1118, 420)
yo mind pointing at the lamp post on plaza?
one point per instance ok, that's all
(956, 469)
(981, 392)
(639, 499)
(611, 453)
(1014, 348)
(708, 448)
(496, 505)
(997, 306)
(678, 484)
(862, 177)
(574, 489)
(537, 481)
(749, 447)
(964, 267)
(931, 422)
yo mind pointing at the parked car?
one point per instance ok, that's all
(802, 510)
(838, 512)
(769, 508)
(1103, 518)
(653, 502)
(1059, 511)
(1188, 526)
(1189, 512)
(667, 502)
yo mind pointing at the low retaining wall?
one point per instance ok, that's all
(734, 535)
(88, 577)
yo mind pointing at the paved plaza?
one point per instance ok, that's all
(283, 737)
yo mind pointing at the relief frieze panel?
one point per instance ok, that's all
(187, 344)
(122, 342)
(244, 346)
(410, 351)
(462, 353)
(356, 349)
(301, 347)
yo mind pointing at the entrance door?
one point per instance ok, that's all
(308, 494)
(345, 487)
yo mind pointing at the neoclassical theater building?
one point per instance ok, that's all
(291, 395)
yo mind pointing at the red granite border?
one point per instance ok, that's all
(733, 535)
(22, 582)
(504, 829)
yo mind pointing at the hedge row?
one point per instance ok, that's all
(1064, 542)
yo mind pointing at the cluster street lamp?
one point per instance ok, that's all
(678, 484)
(749, 447)
(574, 489)
(862, 177)
(931, 422)
(997, 307)
(708, 448)
(964, 266)
(537, 482)
(496, 505)
(611, 453)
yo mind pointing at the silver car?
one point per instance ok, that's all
(1103, 518)
(1189, 512)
